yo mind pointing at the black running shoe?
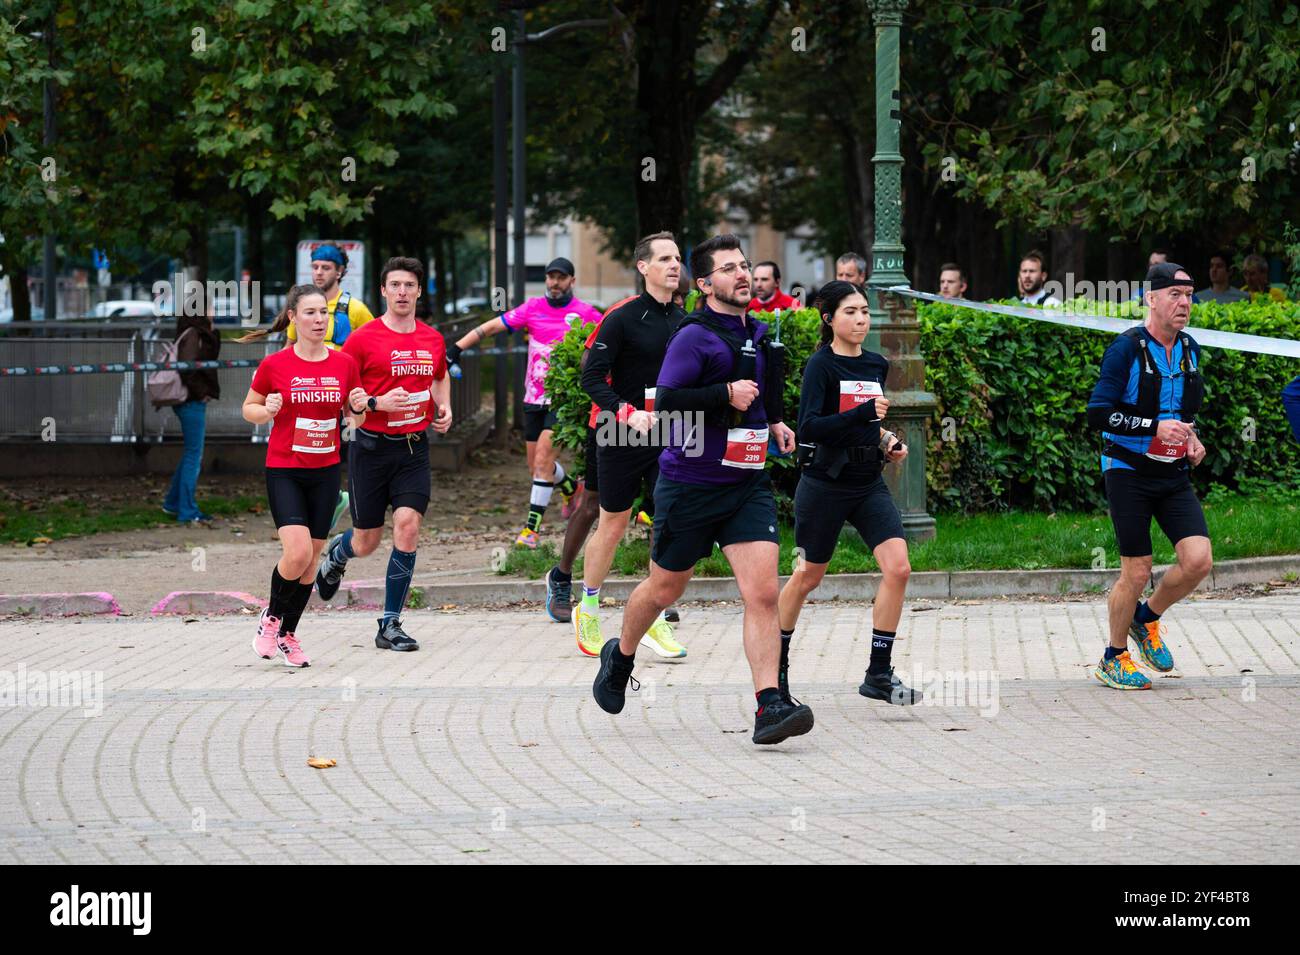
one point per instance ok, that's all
(781, 720)
(559, 597)
(610, 688)
(391, 636)
(329, 573)
(888, 688)
(672, 616)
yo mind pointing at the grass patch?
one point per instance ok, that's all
(1240, 526)
(21, 523)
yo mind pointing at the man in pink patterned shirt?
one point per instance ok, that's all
(546, 319)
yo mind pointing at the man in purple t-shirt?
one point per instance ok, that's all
(716, 386)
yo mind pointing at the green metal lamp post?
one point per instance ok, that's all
(895, 332)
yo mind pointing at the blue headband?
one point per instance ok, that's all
(328, 253)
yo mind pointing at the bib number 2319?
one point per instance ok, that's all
(746, 448)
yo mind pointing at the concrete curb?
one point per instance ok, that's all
(207, 601)
(58, 605)
(935, 585)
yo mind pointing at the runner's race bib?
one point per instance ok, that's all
(746, 448)
(1164, 452)
(854, 393)
(413, 412)
(314, 435)
(650, 399)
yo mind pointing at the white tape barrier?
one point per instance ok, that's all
(1208, 337)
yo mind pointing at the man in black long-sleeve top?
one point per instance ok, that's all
(620, 374)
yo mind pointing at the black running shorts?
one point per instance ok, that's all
(591, 467)
(384, 472)
(821, 508)
(624, 474)
(1136, 498)
(537, 418)
(690, 518)
(305, 496)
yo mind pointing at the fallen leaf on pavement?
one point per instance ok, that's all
(320, 762)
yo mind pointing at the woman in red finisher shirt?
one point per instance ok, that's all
(300, 390)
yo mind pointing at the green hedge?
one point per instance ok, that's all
(1016, 391)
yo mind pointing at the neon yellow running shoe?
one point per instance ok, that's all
(660, 637)
(527, 538)
(643, 518)
(586, 627)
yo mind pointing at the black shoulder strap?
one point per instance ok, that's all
(1138, 334)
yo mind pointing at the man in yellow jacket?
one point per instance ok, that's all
(329, 264)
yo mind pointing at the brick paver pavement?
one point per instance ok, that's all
(486, 746)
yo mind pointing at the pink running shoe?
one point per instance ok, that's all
(268, 630)
(293, 655)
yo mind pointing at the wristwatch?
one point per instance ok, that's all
(372, 404)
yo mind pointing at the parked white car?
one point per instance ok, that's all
(125, 308)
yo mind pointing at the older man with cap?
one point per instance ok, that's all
(1145, 404)
(546, 318)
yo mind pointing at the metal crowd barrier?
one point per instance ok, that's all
(114, 408)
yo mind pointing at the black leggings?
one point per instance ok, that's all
(305, 496)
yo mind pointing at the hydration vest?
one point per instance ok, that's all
(342, 324)
(1148, 400)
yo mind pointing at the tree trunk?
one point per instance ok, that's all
(19, 292)
(440, 275)
(255, 257)
(1115, 271)
(1069, 248)
(860, 192)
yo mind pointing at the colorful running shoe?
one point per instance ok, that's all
(268, 629)
(527, 538)
(1121, 673)
(559, 597)
(660, 638)
(292, 650)
(586, 627)
(1150, 639)
(643, 518)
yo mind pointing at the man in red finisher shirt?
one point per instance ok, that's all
(768, 296)
(403, 366)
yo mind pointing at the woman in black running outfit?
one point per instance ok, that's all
(300, 389)
(844, 449)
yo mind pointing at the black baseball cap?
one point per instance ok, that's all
(1165, 275)
(561, 265)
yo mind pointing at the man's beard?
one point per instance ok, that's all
(736, 302)
(559, 299)
(1034, 289)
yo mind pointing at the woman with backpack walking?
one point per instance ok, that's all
(196, 340)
